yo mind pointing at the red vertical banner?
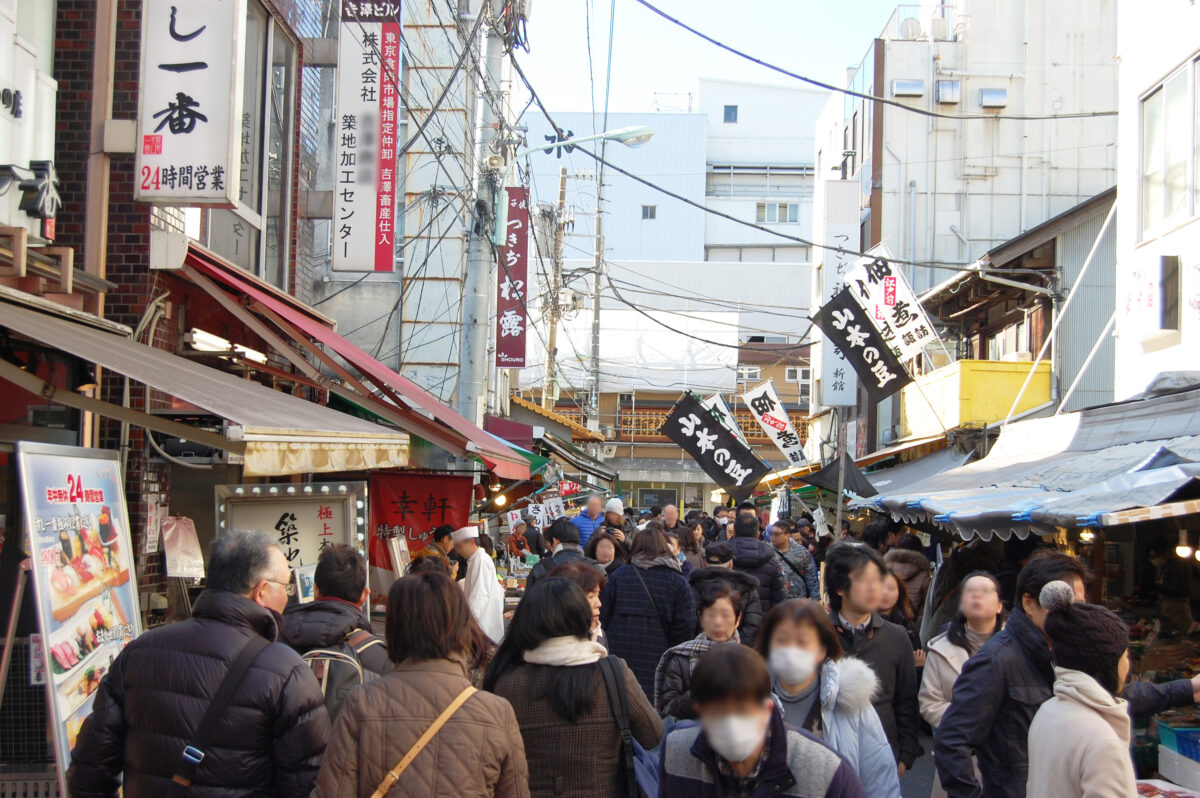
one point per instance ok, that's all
(512, 276)
(385, 246)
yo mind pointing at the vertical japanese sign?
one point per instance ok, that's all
(190, 106)
(764, 403)
(717, 404)
(303, 519)
(892, 307)
(838, 384)
(512, 276)
(700, 433)
(846, 325)
(83, 574)
(367, 143)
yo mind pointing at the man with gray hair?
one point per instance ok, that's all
(211, 704)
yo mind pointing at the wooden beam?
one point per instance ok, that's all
(66, 266)
(20, 249)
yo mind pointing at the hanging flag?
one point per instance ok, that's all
(884, 293)
(729, 462)
(845, 323)
(717, 404)
(764, 403)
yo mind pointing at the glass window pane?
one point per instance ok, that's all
(1178, 129)
(280, 92)
(1152, 161)
(761, 214)
(250, 192)
(772, 212)
(232, 237)
(794, 212)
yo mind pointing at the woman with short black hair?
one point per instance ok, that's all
(720, 610)
(550, 670)
(741, 746)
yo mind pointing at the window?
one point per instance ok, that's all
(749, 373)
(949, 92)
(1169, 289)
(731, 114)
(649, 211)
(993, 98)
(1168, 125)
(255, 235)
(788, 212)
(800, 375)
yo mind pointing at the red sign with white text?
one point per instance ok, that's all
(513, 274)
(413, 505)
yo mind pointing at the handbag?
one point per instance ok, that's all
(666, 630)
(393, 775)
(193, 753)
(641, 766)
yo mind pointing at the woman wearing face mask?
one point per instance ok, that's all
(741, 748)
(980, 615)
(827, 694)
(676, 543)
(1079, 739)
(720, 612)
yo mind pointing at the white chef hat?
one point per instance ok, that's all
(465, 533)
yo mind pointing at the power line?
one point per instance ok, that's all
(860, 95)
(953, 266)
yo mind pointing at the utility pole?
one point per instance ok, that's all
(555, 286)
(597, 285)
(480, 277)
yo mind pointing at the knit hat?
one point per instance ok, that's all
(1083, 637)
(718, 553)
(615, 506)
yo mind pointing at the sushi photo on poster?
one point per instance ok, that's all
(83, 574)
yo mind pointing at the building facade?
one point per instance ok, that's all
(1158, 235)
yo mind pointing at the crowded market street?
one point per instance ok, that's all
(600, 399)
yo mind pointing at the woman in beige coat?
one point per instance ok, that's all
(1079, 739)
(980, 615)
(433, 639)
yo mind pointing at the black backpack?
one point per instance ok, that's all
(339, 670)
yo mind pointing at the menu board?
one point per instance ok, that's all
(303, 519)
(83, 575)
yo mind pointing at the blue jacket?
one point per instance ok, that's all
(587, 525)
(798, 766)
(851, 726)
(639, 634)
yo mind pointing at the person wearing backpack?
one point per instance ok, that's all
(554, 675)
(332, 633)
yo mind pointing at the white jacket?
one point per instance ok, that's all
(1079, 742)
(485, 595)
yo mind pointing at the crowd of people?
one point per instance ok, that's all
(690, 655)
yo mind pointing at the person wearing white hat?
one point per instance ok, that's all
(615, 522)
(483, 590)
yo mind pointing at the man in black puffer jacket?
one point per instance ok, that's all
(719, 556)
(755, 557)
(270, 739)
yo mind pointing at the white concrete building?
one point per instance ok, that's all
(946, 188)
(759, 168)
(1158, 194)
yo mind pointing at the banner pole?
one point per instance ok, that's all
(841, 449)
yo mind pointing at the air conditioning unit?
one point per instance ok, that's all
(902, 87)
(910, 29)
(609, 450)
(1017, 357)
(939, 29)
(993, 98)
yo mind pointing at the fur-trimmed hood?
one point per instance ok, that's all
(907, 564)
(847, 686)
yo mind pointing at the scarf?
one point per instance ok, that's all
(694, 649)
(646, 563)
(566, 651)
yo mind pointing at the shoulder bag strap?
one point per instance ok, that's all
(393, 775)
(618, 702)
(791, 565)
(666, 630)
(194, 753)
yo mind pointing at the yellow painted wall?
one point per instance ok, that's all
(970, 392)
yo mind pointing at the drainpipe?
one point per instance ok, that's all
(912, 228)
(95, 219)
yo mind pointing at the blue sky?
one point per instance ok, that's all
(655, 63)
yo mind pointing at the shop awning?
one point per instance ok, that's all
(899, 477)
(844, 471)
(1066, 471)
(577, 458)
(799, 472)
(578, 431)
(315, 439)
(433, 420)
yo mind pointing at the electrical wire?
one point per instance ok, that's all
(860, 95)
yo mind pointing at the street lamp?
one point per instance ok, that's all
(633, 137)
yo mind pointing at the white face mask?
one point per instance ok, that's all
(735, 737)
(792, 665)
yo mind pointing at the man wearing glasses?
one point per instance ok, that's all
(157, 722)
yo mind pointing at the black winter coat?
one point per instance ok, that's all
(995, 698)
(886, 648)
(269, 741)
(570, 553)
(757, 558)
(752, 610)
(640, 631)
(326, 623)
